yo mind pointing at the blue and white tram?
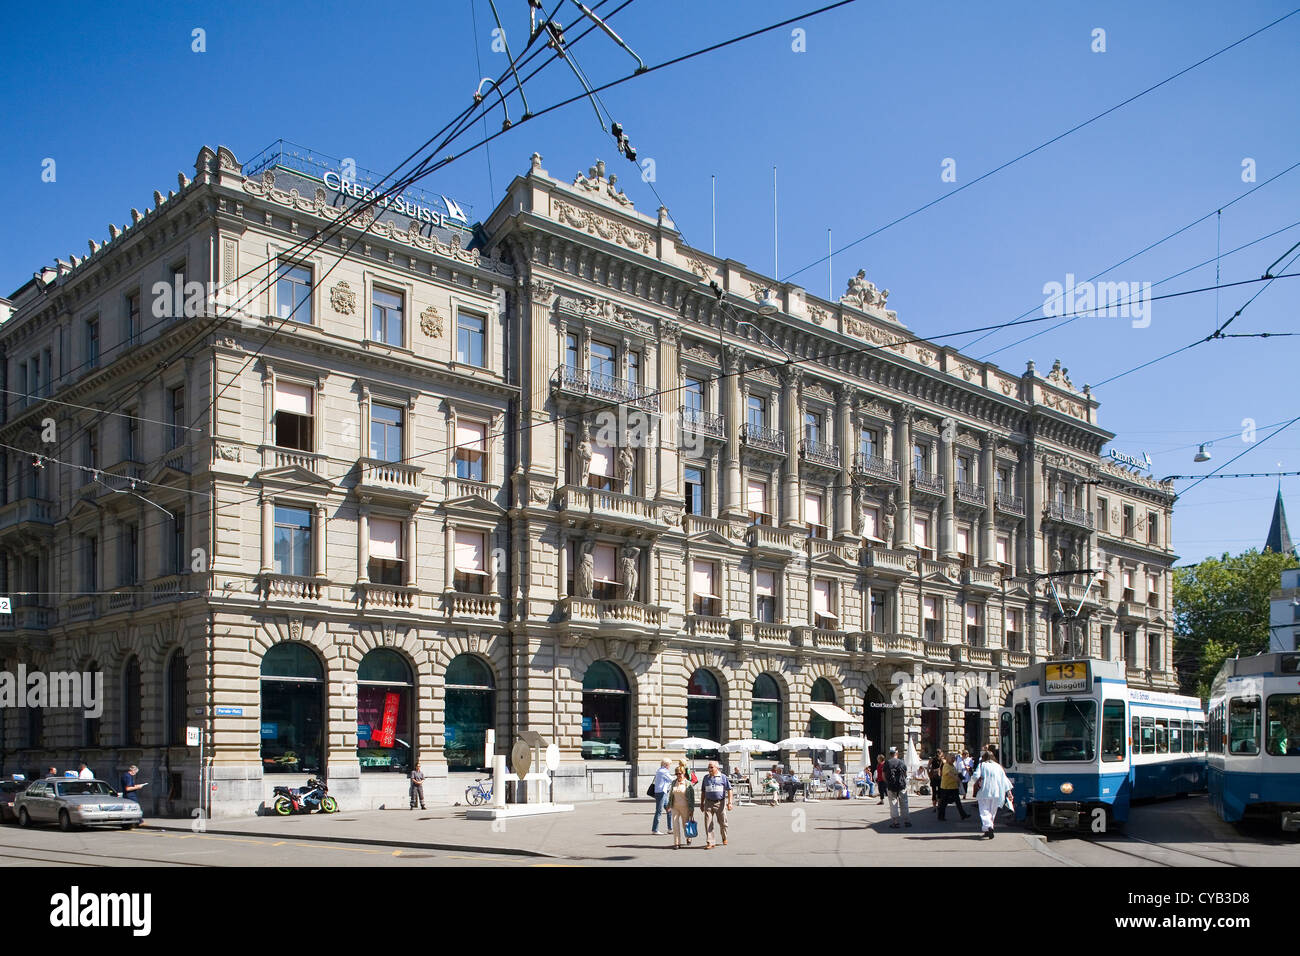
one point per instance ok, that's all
(1066, 745)
(1254, 761)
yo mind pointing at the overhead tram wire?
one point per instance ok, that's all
(1040, 146)
(1247, 451)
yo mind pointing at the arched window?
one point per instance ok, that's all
(131, 694)
(819, 726)
(766, 711)
(703, 713)
(385, 692)
(469, 712)
(178, 675)
(90, 726)
(293, 710)
(606, 706)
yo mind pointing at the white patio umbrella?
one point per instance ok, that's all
(746, 746)
(693, 743)
(854, 741)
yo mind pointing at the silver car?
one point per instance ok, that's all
(71, 802)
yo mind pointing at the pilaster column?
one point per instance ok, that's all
(988, 476)
(363, 543)
(733, 413)
(411, 572)
(903, 453)
(318, 540)
(843, 439)
(268, 534)
(947, 530)
(791, 379)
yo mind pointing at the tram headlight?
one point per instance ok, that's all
(1067, 787)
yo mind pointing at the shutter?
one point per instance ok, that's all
(702, 579)
(470, 435)
(386, 539)
(469, 551)
(296, 399)
(765, 584)
(605, 559)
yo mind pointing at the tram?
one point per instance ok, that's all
(1254, 759)
(1080, 745)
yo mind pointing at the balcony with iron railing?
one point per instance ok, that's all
(875, 466)
(1011, 504)
(1059, 511)
(763, 438)
(578, 381)
(701, 422)
(970, 493)
(929, 481)
(820, 453)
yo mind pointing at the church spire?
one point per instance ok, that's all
(1279, 537)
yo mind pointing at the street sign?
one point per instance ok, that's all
(230, 712)
(6, 606)
(192, 735)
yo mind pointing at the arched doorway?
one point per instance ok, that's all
(703, 713)
(293, 709)
(606, 709)
(469, 713)
(765, 712)
(385, 691)
(819, 726)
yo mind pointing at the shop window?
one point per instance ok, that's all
(470, 712)
(385, 712)
(293, 710)
(765, 710)
(606, 713)
(703, 713)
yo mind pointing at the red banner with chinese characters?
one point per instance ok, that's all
(387, 735)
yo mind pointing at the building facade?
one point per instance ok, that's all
(568, 476)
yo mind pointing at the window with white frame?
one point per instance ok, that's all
(386, 317)
(921, 535)
(694, 476)
(386, 426)
(765, 595)
(295, 422)
(600, 475)
(812, 427)
(471, 574)
(605, 567)
(756, 411)
(693, 397)
(292, 541)
(386, 565)
(812, 515)
(1153, 590)
(293, 292)
(1127, 594)
(1015, 628)
(470, 331)
(974, 624)
(930, 618)
(471, 450)
(867, 443)
(825, 607)
(705, 596)
(920, 456)
(756, 502)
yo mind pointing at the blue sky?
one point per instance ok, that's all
(858, 125)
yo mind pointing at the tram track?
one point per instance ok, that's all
(1163, 847)
(114, 860)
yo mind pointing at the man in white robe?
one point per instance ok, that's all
(992, 787)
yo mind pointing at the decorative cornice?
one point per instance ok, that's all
(635, 239)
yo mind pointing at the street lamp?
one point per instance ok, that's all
(765, 304)
(1202, 454)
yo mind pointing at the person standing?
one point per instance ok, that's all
(936, 774)
(965, 766)
(950, 787)
(127, 784)
(52, 772)
(880, 777)
(681, 801)
(84, 772)
(992, 788)
(663, 781)
(417, 786)
(896, 785)
(717, 803)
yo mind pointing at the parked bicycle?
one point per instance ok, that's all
(479, 794)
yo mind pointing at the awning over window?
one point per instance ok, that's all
(386, 539)
(292, 398)
(602, 460)
(702, 579)
(605, 561)
(832, 712)
(470, 434)
(469, 551)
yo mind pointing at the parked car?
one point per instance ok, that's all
(9, 790)
(71, 803)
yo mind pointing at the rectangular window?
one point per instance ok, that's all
(386, 426)
(756, 412)
(24, 396)
(1103, 514)
(1024, 735)
(131, 436)
(1128, 521)
(1148, 736)
(177, 433)
(756, 501)
(605, 558)
(975, 625)
(602, 361)
(693, 395)
(1153, 590)
(37, 389)
(386, 565)
(92, 342)
(825, 612)
(469, 338)
(571, 359)
(704, 589)
(812, 515)
(293, 293)
(634, 368)
(1243, 725)
(963, 469)
(600, 475)
(1014, 629)
(878, 612)
(294, 416)
(1153, 528)
(1130, 649)
(132, 329)
(292, 541)
(867, 442)
(1283, 725)
(918, 459)
(1175, 736)
(812, 427)
(930, 618)
(1003, 546)
(1162, 735)
(386, 317)
(871, 523)
(1153, 651)
(180, 554)
(1065, 730)
(92, 453)
(963, 547)
(471, 450)
(1127, 594)
(92, 563)
(128, 571)
(1112, 731)
(921, 535)
(694, 490)
(765, 596)
(1004, 485)
(471, 567)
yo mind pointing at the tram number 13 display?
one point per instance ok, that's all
(1065, 678)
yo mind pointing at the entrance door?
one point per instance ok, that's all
(875, 724)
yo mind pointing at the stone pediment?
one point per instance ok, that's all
(85, 507)
(474, 505)
(294, 475)
(712, 538)
(831, 559)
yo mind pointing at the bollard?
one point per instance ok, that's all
(498, 781)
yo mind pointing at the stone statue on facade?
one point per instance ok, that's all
(887, 520)
(585, 580)
(629, 569)
(626, 467)
(584, 454)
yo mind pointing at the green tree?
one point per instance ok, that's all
(1221, 610)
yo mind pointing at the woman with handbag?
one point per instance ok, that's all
(681, 801)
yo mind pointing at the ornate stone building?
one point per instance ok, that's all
(358, 504)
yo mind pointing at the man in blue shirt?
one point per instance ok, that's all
(128, 784)
(662, 784)
(717, 802)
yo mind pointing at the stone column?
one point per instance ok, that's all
(449, 558)
(844, 526)
(988, 475)
(903, 453)
(791, 379)
(411, 573)
(318, 540)
(732, 417)
(268, 534)
(947, 531)
(363, 542)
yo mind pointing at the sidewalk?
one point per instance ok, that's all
(830, 832)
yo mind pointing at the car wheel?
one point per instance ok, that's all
(24, 819)
(65, 821)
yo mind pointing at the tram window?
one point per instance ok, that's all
(1112, 730)
(1005, 735)
(1135, 741)
(1162, 735)
(1067, 730)
(1243, 725)
(1175, 736)
(1024, 741)
(1284, 725)
(1200, 737)
(1148, 735)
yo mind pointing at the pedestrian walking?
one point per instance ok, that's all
(936, 772)
(717, 803)
(896, 785)
(880, 777)
(681, 801)
(992, 789)
(950, 787)
(659, 790)
(417, 786)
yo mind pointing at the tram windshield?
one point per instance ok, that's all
(1284, 725)
(1067, 730)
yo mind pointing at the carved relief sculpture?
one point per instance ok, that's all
(585, 579)
(584, 454)
(629, 566)
(431, 323)
(342, 299)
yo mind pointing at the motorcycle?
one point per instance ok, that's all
(314, 796)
